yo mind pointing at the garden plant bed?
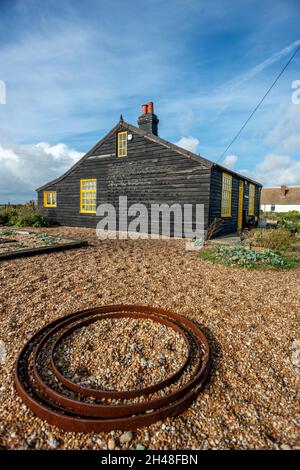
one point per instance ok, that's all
(249, 316)
(239, 256)
(21, 243)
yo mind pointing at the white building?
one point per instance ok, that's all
(281, 199)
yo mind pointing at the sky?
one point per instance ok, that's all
(68, 69)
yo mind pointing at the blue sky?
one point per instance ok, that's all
(70, 68)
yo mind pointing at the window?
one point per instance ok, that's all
(226, 195)
(272, 207)
(122, 144)
(251, 199)
(50, 199)
(88, 196)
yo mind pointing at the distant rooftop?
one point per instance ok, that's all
(284, 195)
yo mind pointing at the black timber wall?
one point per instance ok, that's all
(230, 223)
(151, 173)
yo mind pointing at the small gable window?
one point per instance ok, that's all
(122, 144)
(88, 188)
(226, 195)
(251, 199)
(50, 199)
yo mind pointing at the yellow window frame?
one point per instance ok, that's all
(251, 199)
(88, 197)
(226, 195)
(50, 199)
(122, 144)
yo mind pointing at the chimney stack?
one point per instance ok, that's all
(283, 190)
(148, 121)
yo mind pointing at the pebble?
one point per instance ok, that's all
(126, 437)
(295, 358)
(2, 352)
(111, 444)
(139, 446)
(285, 447)
(100, 443)
(31, 440)
(54, 443)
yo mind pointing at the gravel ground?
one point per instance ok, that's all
(251, 318)
(119, 354)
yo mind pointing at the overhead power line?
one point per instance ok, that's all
(260, 102)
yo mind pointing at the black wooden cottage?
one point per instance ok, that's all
(134, 162)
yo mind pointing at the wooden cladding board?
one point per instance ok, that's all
(149, 174)
(230, 223)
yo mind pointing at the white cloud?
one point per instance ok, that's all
(285, 135)
(230, 161)
(60, 150)
(189, 143)
(25, 167)
(277, 169)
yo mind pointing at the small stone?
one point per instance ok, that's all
(285, 447)
(53, 443)
(144, 362)
(2, 352)
(31, 440)
(140, 446)
(146, 436)
(100, 443)
(126, 437)
(111, 444)
(162, 357)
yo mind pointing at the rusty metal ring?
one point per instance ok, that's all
(109, 410)
(97, 393)
(71, 420)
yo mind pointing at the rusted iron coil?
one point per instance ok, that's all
(72, 413)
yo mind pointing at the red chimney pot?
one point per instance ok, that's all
(150, 107)
(144, 108)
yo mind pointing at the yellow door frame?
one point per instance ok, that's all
(241, 205)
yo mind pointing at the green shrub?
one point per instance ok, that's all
(21, 216)
(290, 226)
(279, 239)
(289, 220)
(27, 217)
(292, 216)
(6, 213)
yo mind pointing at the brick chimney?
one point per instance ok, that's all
(283, 190)
(148, 121)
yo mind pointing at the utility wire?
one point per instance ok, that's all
(258, 105)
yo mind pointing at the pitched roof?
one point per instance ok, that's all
(154, 138)
(275, 196)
